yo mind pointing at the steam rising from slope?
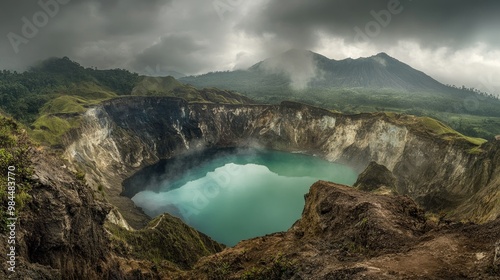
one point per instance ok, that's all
(380, 60)
(299, 66)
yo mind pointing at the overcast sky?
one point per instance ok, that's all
(455, 41)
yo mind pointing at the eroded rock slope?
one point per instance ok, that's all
(345, 233)
(440, 172)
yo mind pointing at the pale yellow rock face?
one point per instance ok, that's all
(121, 136)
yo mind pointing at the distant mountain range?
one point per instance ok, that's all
(309, 70)
(50, 97)
(376, 83)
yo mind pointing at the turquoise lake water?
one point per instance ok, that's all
(244, 194)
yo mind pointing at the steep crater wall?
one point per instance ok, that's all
(123, 135)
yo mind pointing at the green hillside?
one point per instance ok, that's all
(371, 84)
(15, 153)
(23, 95)
(168, 86)
(50, 97)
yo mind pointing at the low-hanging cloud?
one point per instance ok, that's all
(191, 36)
(299, 66)
(430, 23)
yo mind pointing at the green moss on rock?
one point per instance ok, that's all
(164, 238)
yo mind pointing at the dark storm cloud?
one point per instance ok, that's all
(129, 17)
(194, 40)
(198, 36)
(76, 28)
(171, 54)
(431, 23)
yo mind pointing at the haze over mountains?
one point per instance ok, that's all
(303, 69)
(376, 83)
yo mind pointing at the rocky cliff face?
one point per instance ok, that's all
(61, 233)
(345, 233)
(376, 177)
(123, 135)
(65, 232)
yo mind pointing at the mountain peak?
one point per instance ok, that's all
(383, 55)
(294, 53)
(300, 55)
(301, 69)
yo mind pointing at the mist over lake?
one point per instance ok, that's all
(241, 195)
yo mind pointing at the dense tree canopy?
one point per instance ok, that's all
(23, 94)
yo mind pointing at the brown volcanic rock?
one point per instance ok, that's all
(339, 225)
(345, 233)
(371, 223)
(375, 176)
(61, 234)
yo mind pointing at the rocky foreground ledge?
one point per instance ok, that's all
(70, 228)
(345, 233)
(62, 233)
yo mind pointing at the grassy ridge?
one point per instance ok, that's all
(164, 238)
(50, 97)
(168, 86)
(62, 113)
(465, 110)
(435, 128)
